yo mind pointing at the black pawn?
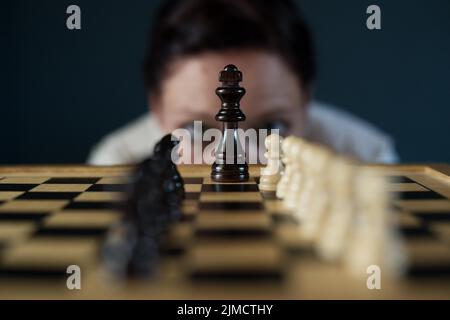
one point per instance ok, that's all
(230, 164)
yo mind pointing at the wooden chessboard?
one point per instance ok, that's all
(232, 240)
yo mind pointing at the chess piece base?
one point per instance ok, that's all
(229, 172)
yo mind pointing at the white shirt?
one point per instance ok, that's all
(327, 125)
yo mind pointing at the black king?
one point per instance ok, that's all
(230, 165)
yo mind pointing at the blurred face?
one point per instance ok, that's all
(274, 99)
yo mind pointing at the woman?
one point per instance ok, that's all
(192, 40)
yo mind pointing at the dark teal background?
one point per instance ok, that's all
(63, 90)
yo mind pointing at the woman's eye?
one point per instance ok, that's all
(279, 125)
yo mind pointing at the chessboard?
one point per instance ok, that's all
(232, 240)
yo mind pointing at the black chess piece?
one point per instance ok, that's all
(164, 150)
(230, 164)
(154, 201)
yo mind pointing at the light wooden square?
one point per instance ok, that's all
(408, 220)
(428, 252)
(32, 205)
(232, 221)
(94, 219)
(192, 187)
(63, 187)
(13, 231)
(8, 195)
(235, 256)
(230, 197)
(424, 205)
(100, 196)
(442, 230)
(403, 187)
(114, 180)
(46, 252)
(24, 180)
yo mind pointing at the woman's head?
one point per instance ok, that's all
(192, 40)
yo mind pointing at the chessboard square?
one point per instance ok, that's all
(73, 180)
(48, 195)
(192, 195)
(234, 221)
(193, 180)
(95, 219)
(230, 197)
(442, 230)
(290, 238)
(399, 179)
(230, 206)
(21, 216)
(189, 206)
(236, 187)
(433, 216)
(424, 252)
(403, 187)
(114, 180)
(24, 180)
(16, 187)
(208, 180)
(417, 195)
(45, 252)
(192, 187)
(93, 205)
(107, 187)
(32, 205)
(424, 205)
(49, 187)
(231, 256)
(70, 232)
(100, 196)
(408, 220)
(9, 195)
(14, 230)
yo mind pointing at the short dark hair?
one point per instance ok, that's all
(186, 27)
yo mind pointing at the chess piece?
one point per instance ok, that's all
(230, 164)
(335, 231)
(373, 241)
(312, 218)
(294, 185)
(283, 184)
(271, 174)
(153, 202)
(300, 185)
(166, 151)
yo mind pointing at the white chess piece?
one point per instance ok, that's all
(284, 181)
(373, 241)
(312, 219)
(294, 185)
(335, 231)
(271, 174)
(303, 191)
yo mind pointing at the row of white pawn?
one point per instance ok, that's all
(343, 208)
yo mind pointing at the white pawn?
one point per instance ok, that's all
(271, 174)
(295, 182)
(335, 232)
(302, 190)
(316, 214)
(283, 184)
(373, 241)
